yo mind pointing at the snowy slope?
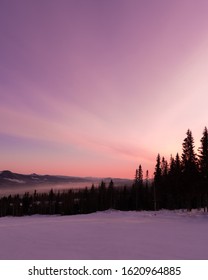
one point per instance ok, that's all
(106, 235)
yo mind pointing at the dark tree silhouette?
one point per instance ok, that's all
(189, 159)
(203, 168)
(189, 172)
(157, 183)
(203, 155)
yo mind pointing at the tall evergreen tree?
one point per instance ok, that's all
(189, 160)
(141, 189)
(174, 179)
(175, 168)
(147, 179)
(172, 166)
(136, 178)
(157, 182)
(164, 168)
(203, 169)
(177, 165)
(158, 171)
(203, 155)
(137, 189)
(140, 175)
(190, 173)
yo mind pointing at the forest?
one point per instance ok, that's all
(180, 183)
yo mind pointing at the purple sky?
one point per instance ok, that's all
(97, 87)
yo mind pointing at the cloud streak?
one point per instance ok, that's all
(97, 88)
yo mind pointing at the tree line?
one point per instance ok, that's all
(70, 202)
(181, 183)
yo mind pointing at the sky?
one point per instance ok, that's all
(97, 87)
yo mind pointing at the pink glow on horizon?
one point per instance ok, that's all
(95, 88)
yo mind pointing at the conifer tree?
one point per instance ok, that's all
(140, 175)
(203, 169)
(140, 188)
(172, 166)
(137, 189)
(177, 164)
(164, 168)
(189, 160)
(158, 171)
(175, 168)
(157, 182)
(175, 182)
(147, 193)
(136, 178)
(189, 172)
(203, 155)
(147, 178)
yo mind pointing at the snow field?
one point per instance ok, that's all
(106, 235)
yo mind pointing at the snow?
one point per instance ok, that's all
(106, 235)
(15, 180)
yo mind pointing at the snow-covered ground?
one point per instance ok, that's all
(106, 235)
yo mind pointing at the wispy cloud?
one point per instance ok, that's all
(106, 84)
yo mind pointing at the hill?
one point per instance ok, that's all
(11, 183)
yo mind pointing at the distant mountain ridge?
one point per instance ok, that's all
(8, 177)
